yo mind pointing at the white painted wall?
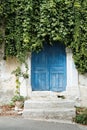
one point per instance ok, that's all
(72, 88)
(7, 80)
(26, 89)
(83, 89)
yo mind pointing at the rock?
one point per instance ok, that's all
(20, 112)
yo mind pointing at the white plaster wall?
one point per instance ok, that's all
(72, 88)
(25, 88)
(7, 80)
(76, 88)
(83, 89)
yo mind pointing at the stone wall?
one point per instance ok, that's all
(83, 89)
(7, 79)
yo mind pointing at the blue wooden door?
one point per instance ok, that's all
(48, 68)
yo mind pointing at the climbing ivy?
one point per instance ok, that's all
(30, 23)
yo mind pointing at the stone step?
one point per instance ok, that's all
(39, 104)
(50, 114)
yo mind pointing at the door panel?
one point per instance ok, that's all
(39, 79)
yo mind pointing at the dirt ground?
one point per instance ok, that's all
(7, 110)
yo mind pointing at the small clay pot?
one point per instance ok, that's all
(18, 105)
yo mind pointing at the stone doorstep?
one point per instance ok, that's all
(47, 106)
(50, 110)
(46, 94)
(60, 114)
(38, 104)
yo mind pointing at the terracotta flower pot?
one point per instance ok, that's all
(18, 105)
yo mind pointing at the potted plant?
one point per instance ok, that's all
(18, 101)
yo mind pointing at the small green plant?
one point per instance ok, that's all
(19, 73)
(17, 98)
(82, 119)
(81, 115)
(11, 104)
(25, 75)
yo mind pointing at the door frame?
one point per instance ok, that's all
(72, 86)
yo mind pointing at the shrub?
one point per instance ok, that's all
(82, 119)
(81, 116)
